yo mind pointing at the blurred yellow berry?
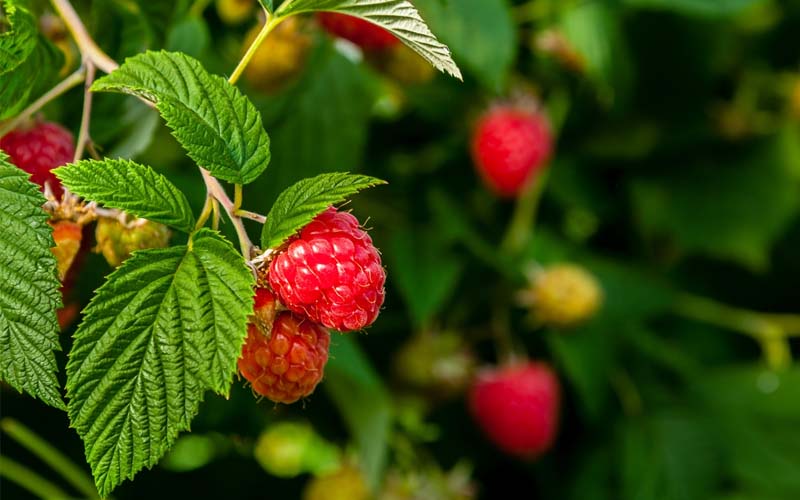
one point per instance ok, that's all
(403, 65)
(794, 99)
(347, 483)
(117, 241)
(280, 58)
(562, 295)
(233, 12)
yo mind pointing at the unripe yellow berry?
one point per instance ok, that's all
(563, 295)
(117, 241)
(279, 59)
(233, 12)
(347, 483)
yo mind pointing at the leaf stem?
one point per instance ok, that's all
(216, 190)
(261, 219)
(30, 480)
(87, 46)
(51, 456)
(237, 198)
(86, 118)
(208, 207)
(272, 21)
(63, 86)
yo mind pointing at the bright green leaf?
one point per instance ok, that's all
(136, 189)
(219, 127)
(166, 326)
(298, 205)
(17, 43)
(397, 16)
(30, 293)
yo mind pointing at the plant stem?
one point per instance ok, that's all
(252, 216)
(520, 229)
(237, 198)
(83, 134)
(51, 456)
(88, 48)
(251, 51)
(216, 190)
(769, 330)
(63, 86)
(30, 480)
(208, 207)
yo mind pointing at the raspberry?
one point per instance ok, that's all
(279, 59)
(117, 241)
(517, 407)
(67, 236)
(286, 362)
(366, 35)
(563, 295)
(331, 272)
(347, 483)
(509, 146)
(439, 364)
(38, 150)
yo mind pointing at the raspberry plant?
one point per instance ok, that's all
(170, 323)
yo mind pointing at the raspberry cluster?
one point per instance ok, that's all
(329, 275)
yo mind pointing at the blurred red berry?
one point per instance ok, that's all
(517, 407)
(38, 150)
(331, 272)
(286, 363)
(363, 33)
(509, 146)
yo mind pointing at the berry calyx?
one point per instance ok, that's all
(39, 149)
(67, 236)
(517, 406)
(509, 146)
(368, 36)
(331, 273)
(117, 241)
(562, 295)
(286, 362)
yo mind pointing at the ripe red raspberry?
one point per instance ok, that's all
(38, 150)
(366, 35)
(287, 361)
(509, 146)
(517, 406)
(331, 272)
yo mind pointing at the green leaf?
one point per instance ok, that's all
(166, 326)
(700, 8)
(30, 293)
(397, 16)
(219, 127)
(136, 189)
(363, 400)
(732, 226)
(298, 205)
(426, 272)
(481, 33)
(17, 43)
(267, 4)
(30, 79)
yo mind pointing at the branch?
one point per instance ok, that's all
(83, 134)
(64, 85)
(216, 191)
(88, 48)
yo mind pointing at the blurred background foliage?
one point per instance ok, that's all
(676, 182)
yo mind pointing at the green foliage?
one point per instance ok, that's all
(219, 127)
(321, 124)
(481, 34)
(18, 42)
(397, 16)
(703, 8)
(29, 296)
(350, 378)
(30, 78)
(166, 326)
(303, 201)
(136, 189)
